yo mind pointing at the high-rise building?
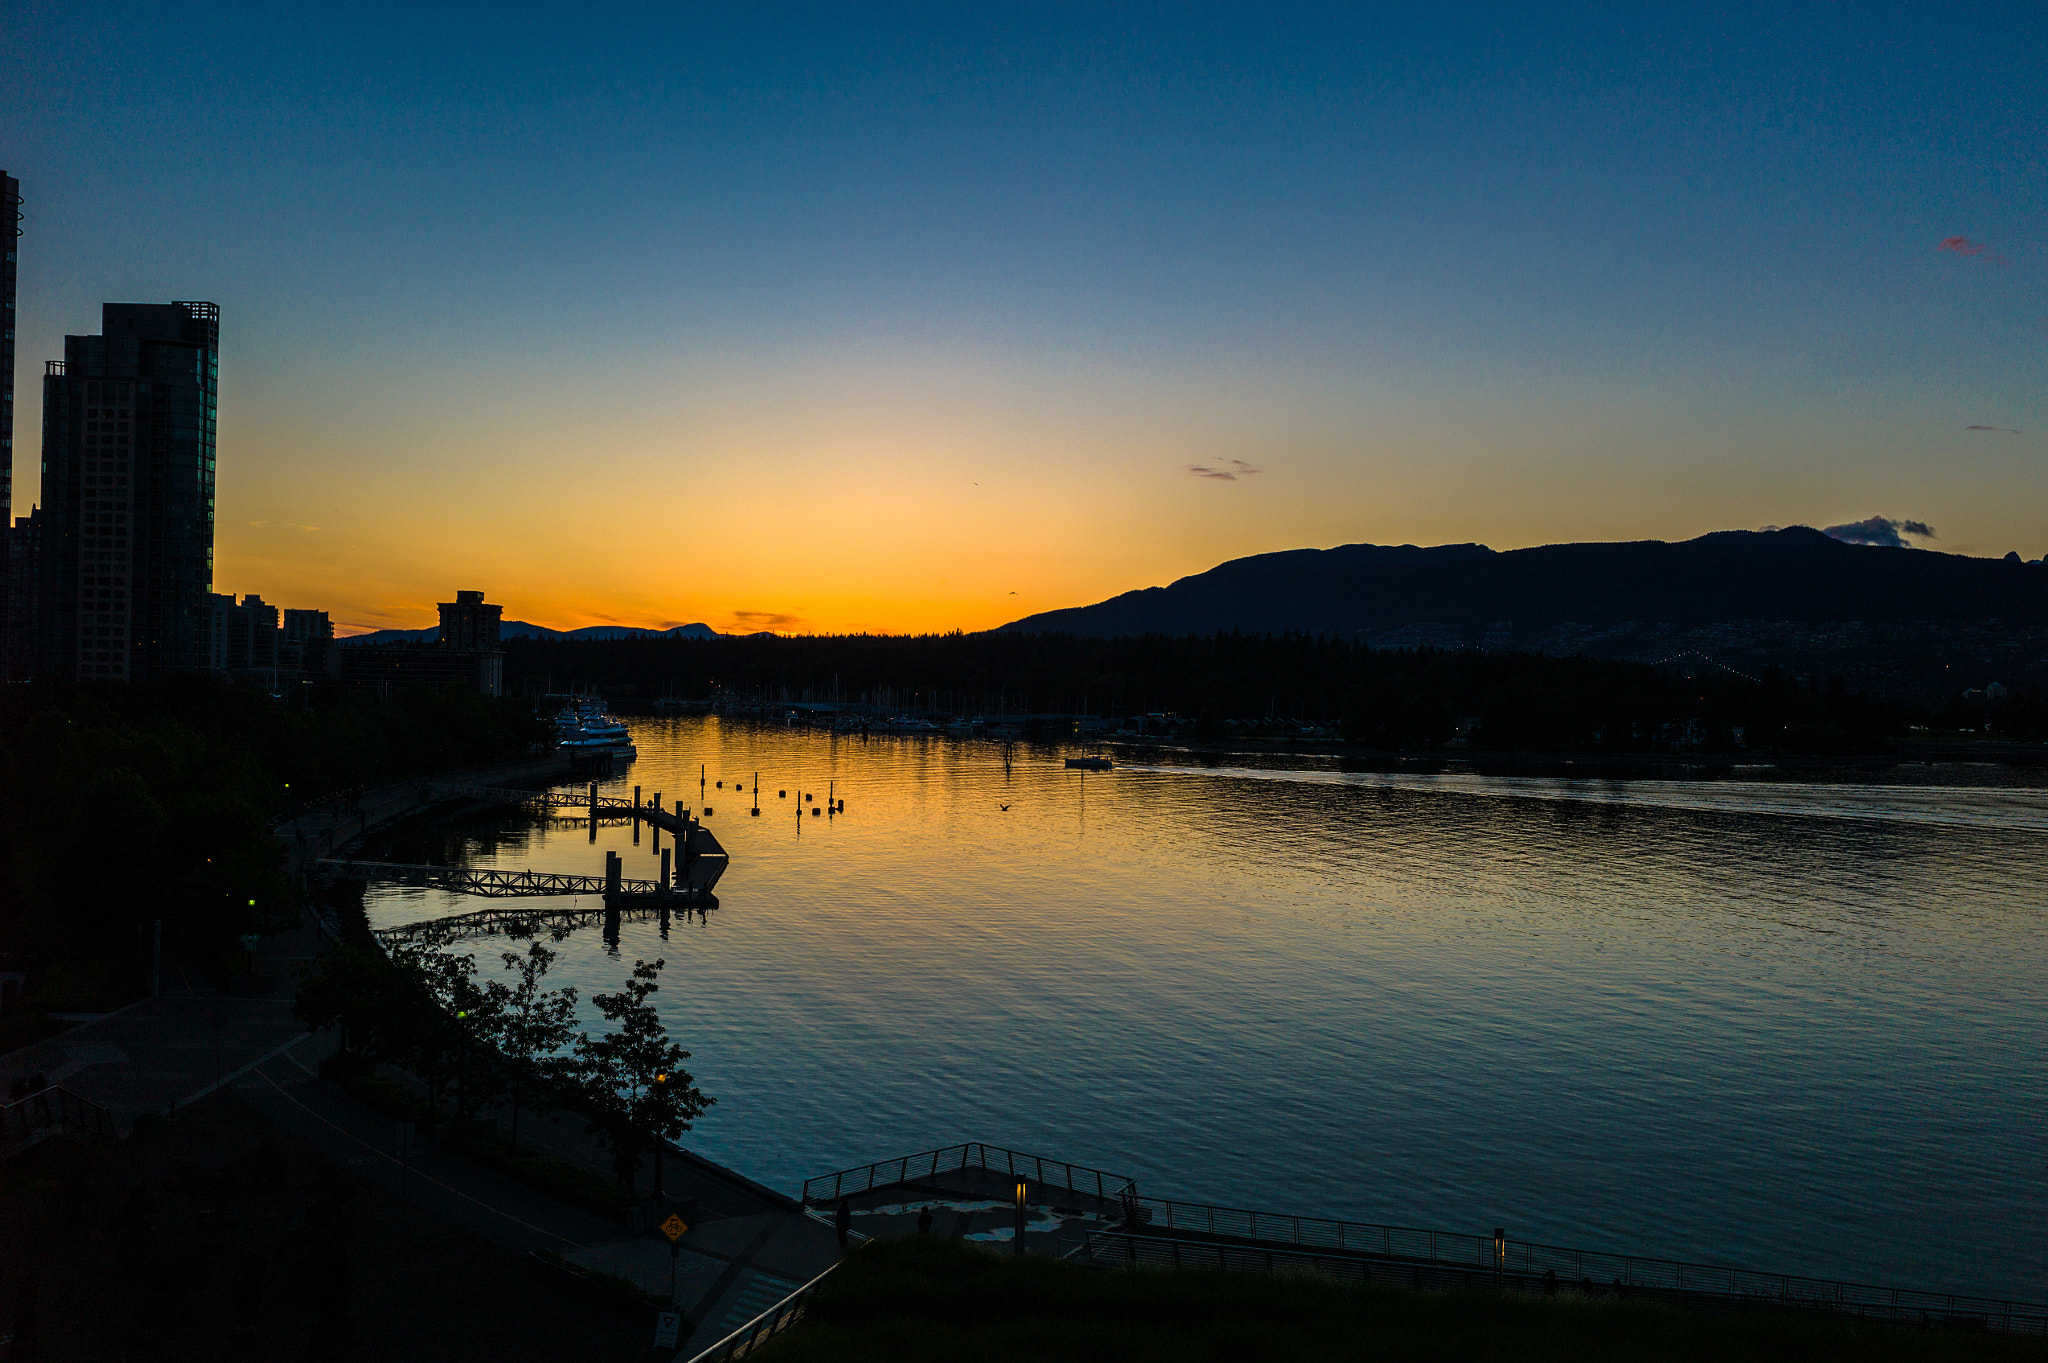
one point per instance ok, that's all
(10, 236)
(128, 471)
(251, 630)
(464, 652)
(467, 623)
(306, 642)
(17, 643)
(19, 574)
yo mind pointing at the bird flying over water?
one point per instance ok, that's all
(1004, 808)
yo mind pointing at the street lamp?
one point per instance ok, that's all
(1020, 1216)
(661, 1085)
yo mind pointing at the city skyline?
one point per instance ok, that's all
(809, 322)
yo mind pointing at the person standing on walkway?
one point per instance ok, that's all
(924, 1222)
(842, 1221)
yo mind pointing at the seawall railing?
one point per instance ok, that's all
(1178, 1225)
(1037, 1169)
(763, 1327)
(1167, 1231)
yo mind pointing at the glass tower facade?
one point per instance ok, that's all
(128, 477)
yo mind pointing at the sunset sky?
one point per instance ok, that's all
(890, 318)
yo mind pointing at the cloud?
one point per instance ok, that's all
(2002, 430)
(765, 619)
(1230, 474)
(1963, 246)
(1882, 531)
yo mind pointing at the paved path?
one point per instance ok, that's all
(337, 821)
(746, 1238)
(172, 1049)
(749, 1247)
(285, 1090)
(727, 1269)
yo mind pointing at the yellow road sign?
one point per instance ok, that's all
(674, 1227)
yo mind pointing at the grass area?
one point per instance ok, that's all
(914, 1299)
(220, 1238)
(572, 1183)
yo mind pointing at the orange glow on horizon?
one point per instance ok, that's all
(921, 494)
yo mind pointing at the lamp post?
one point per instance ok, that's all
(1020, 1216)
(1500, 1254)
(661, 1086)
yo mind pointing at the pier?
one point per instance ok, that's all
(529, 922)
(586, 803)
(685, 884)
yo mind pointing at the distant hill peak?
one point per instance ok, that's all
(1518, 597)
(521, 629)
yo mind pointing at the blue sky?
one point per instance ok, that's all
(917, 317)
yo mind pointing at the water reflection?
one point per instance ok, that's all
(1764, 1021)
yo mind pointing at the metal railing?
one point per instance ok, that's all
(1043, 1172)
(765, 1326)
(1184, 1223)
(557, 921)
(483, 882)
(52, 1109)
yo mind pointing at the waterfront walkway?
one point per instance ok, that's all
(748, 1246)
(334, 822)
(175, 1047)
(746, 1242)
(163, 1052)
(1087, 1216)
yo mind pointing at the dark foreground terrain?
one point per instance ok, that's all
(222, 1238)
(911, 1300)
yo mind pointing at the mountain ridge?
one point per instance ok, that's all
(520, 629)
(1795, 574)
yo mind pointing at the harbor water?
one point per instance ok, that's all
(1790, 1026)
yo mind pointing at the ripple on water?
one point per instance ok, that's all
(1782, 1024)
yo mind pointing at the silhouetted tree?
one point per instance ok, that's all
(531, 1027)
(634, 1087)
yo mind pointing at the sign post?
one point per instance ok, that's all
(667, 1325)
(673, 1228)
